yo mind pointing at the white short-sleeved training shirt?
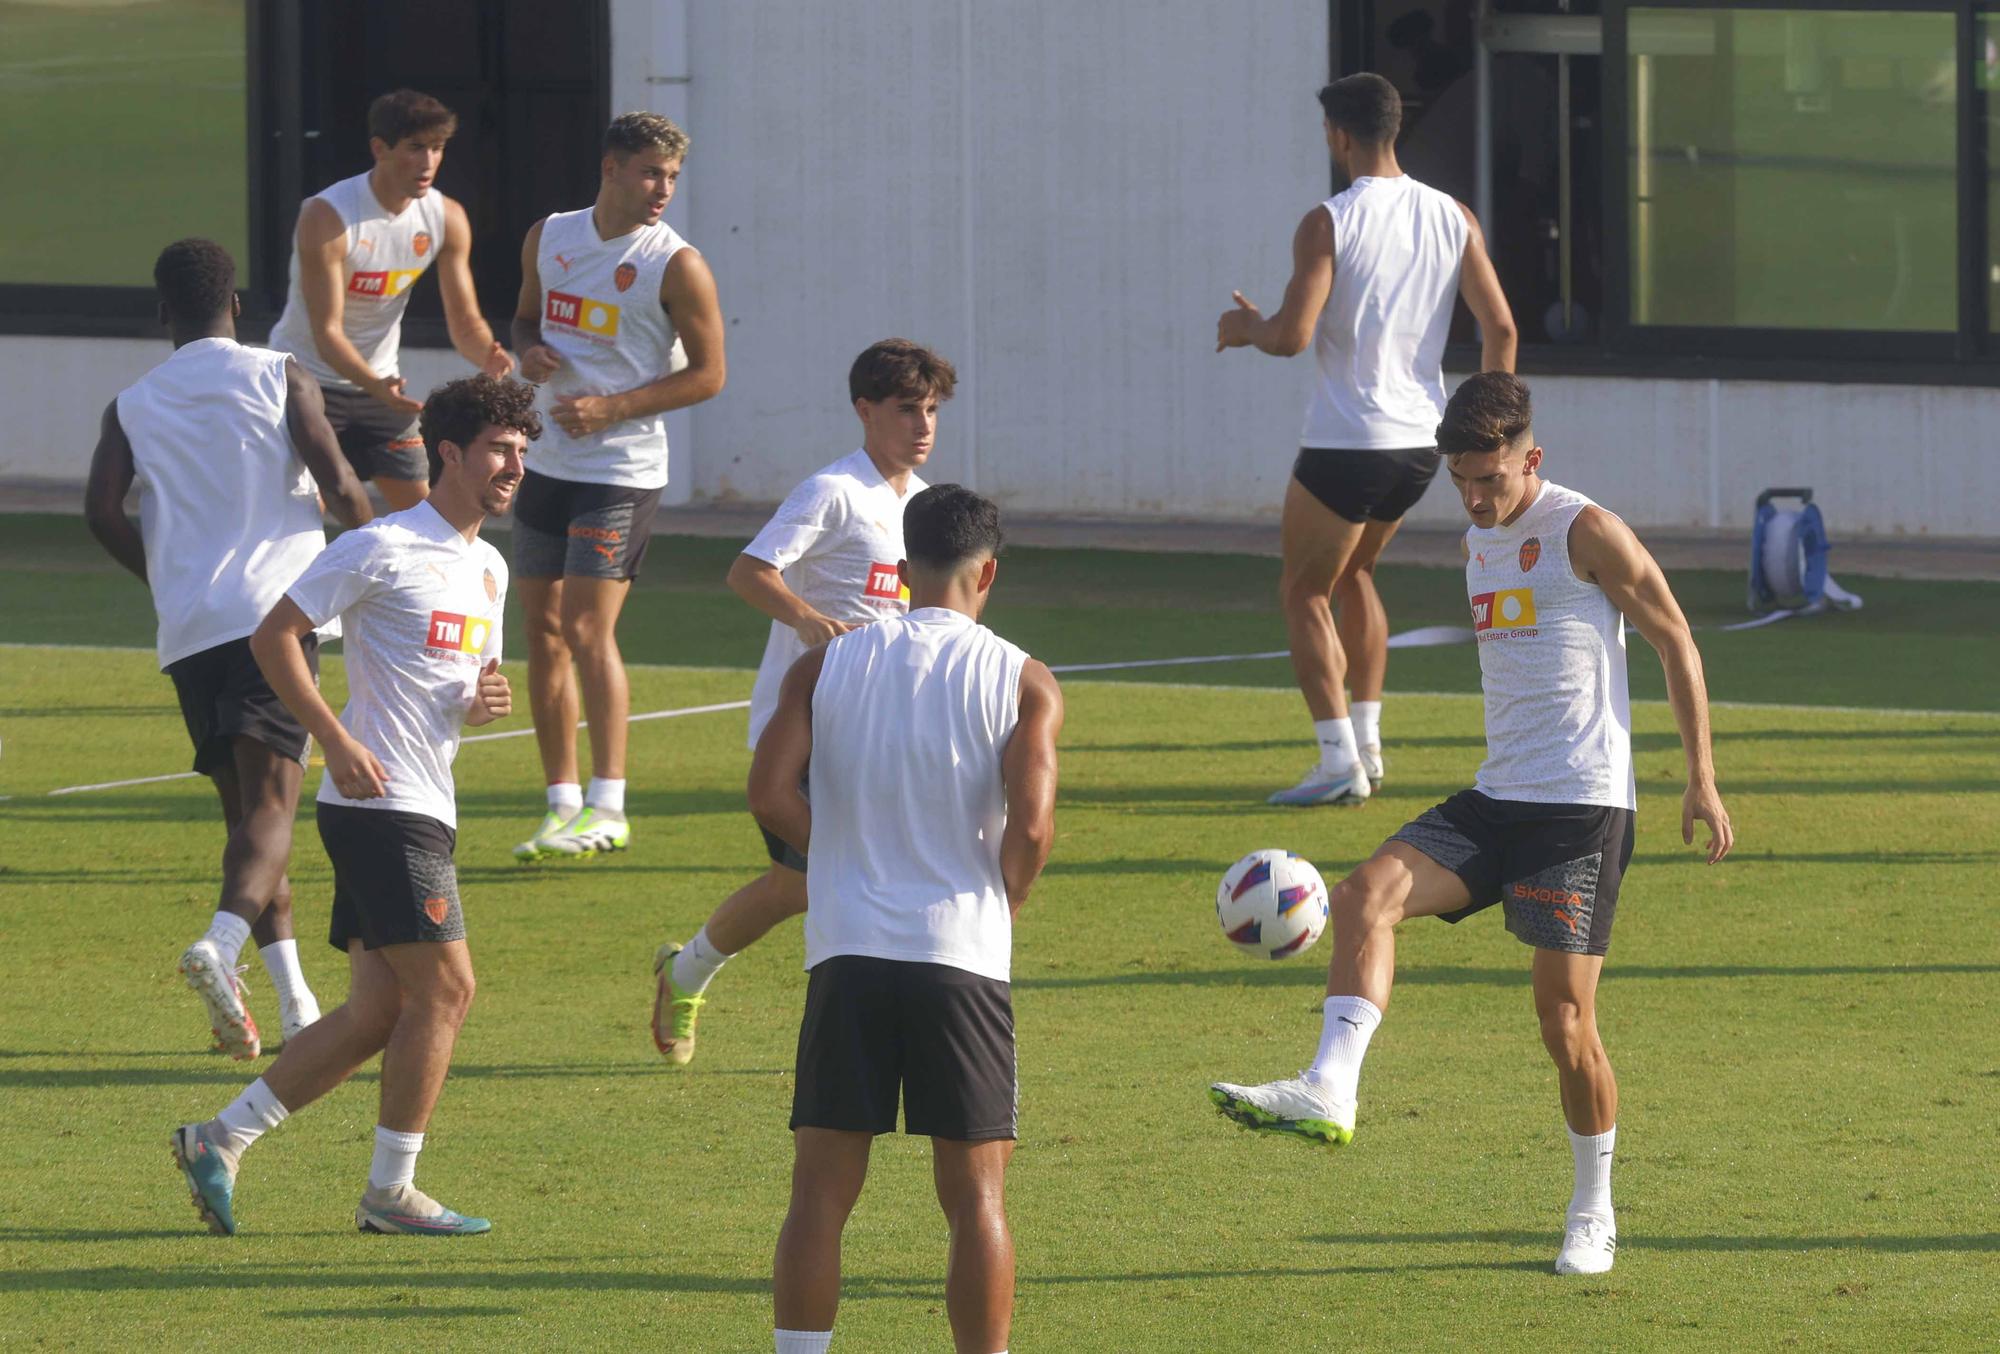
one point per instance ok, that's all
(837, 539)
(421, 609)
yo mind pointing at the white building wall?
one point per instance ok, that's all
(1059, 197)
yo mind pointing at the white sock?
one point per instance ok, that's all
(1343, 1042)
(803, 1341)
(229, 933)
(697, 963)
(281, 961)
(608, 795)
(1366, 716)
(395, 1158)
(565, 798)
(1336, 743)
(1593, 1173)
(250, 1116)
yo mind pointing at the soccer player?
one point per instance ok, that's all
(931, 744)
(824, 564)
(612, 301)
(359, 248)
(420, 597)
(1374, 271)
(231, 451)
(1546, 830)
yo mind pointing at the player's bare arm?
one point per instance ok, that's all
(322, 245)
(340, 489)
(470, 334)
(1290, 330)
(491, 699)
(111, 475)
(538, 360)
(778, 768)
(278, 648)
(1028, 772)
(762, 585)
(1479, 284)
(687, 291)
(1606, 552)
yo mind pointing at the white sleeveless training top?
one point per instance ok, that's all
(385, 257)
(1379, 344)
(601, 310)
(911, 718)
(1552, 661)
(228, 511)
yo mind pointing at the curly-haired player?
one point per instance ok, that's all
(420, 597)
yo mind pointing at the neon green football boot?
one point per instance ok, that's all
(592, 832)
(536, 846)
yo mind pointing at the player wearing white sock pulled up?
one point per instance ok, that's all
(1547, 831)
(824, 564)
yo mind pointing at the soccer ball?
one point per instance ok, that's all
(1272, 904)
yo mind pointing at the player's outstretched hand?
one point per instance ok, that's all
(499, 363)
(539, 363)
(355, 771)
(820, 629)
(1704, 803)
(389, 390)
(1233, 329)
(582, 415)
(492, 699)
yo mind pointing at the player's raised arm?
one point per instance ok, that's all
(778, 769)
(111, 475)
(538, 360)
(278, 648)
(1290, 330)
(1479, 284)
(470, 334)
(1606, 552)
(1028, 772)
(318, 446)
(322, 245)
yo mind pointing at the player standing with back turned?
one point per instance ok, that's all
(1546, 830)
(606, 294)
(359, 248)
(228, 444)
(1374, 272)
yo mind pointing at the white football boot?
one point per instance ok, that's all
(1344, 787)
(1371, 762)
(216, 984)
(1295, 1107)
(1590, 1245)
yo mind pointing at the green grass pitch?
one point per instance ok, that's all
(1804, 1036)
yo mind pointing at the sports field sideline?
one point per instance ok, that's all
(1804, 1035)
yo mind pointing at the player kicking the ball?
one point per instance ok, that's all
(360, 247)
(420, 597)
(618, 317)
(824, 564)
(1546, 830)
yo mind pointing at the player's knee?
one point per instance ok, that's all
(1303, 592)
(1569, 1033)
(445, 996)
(584, 633)
(1364, 901)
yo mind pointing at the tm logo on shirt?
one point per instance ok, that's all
(1510, 610)
(383, 285)
(884, 584)
(582, 315)
(454, 633)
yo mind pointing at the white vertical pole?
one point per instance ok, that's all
(967, 396)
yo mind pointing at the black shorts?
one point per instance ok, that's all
(1366, 486)
(393, 880)
(224, 696)
(1555, 867)
(378, 442)
(781, 851)
(945, 1037)
(568, 529)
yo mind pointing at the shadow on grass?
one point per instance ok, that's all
(392, 1312)
(227, 1074)
(1278, 976)
(1890, 1244)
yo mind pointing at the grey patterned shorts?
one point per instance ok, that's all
(1555, 868)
